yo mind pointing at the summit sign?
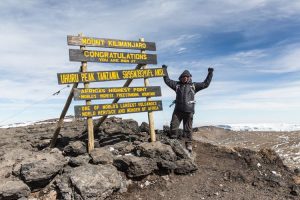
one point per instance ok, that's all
(110, 43)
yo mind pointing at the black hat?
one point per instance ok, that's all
(185, 73)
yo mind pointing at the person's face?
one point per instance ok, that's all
(185, 79)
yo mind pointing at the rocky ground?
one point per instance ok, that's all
(124, 165)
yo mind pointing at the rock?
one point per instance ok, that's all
(79, 160)
(177, 147)
(156, 150)
(13, 189)
(38, 171)
(167, 165)
(135, 166)
(122, 148)
(130, 126)
(75, 149)
(11, 159)
(96, 182)
(101, 156)
(64, 189)
(185, 166)
(113, 130)
(295, 190)
(144, 127)
(42, 144)
(115, 125)
(271, 157)
(296, 179)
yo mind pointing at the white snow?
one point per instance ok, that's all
(261, 127)
(21, 124)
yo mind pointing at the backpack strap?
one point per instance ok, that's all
(193, 88)
(177, 87)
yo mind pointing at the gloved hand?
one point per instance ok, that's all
(165, 69)
(210, 69)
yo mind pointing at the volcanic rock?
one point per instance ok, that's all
(95, 182)
(101, 156)
(38, 171)
(185, 166)
(144, 127)
(79, 160)
(13, 189)
(135, 166)
(156, 150)
(75, 148)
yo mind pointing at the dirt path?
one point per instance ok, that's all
(222, 174)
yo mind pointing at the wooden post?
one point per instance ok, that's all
(62, 116)
(90, 123)
(150, 114)
(63, 113)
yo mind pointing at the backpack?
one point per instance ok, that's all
(177, 87)
(192, 86)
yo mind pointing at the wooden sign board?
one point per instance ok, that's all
(116, 92)
(111, 57)
(110, 43)
(98, 76)
(117, 108)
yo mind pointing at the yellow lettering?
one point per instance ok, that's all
(69, 78)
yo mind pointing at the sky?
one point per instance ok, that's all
(254, 47)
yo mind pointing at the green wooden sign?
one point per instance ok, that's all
(110, 43)
(98, 76)
(116, 92)
(117, 108)
(111, 57)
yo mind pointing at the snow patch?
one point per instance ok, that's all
(261, 127)
(22, 124)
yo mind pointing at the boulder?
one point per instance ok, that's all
(96, 182)
(295, 190)
(38, 171)
(269, 156)
(79, 160)
(101, 156)
(10, 159)
(135, 166)
(130, 126)
(185, 166)
(64, 188)
(115, 125)
(144, 127)
(13, 189)
(121, 148)
(156, 150)
(166, 165)
(113, 129)
(178, 148)
(75, 149)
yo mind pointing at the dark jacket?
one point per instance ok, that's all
(185, 92)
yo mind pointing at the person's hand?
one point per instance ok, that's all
(165, 70)
(210, 69)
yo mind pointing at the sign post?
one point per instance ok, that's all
(86, 77)
(150, 113)
(90, 124)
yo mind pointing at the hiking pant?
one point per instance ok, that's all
(187, 119)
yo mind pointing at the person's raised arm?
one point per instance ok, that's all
(171, 83)
(202, 85)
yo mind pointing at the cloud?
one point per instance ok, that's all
(251, 44)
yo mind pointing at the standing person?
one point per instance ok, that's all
(185, 102)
